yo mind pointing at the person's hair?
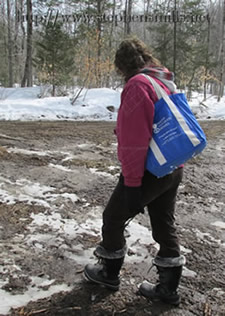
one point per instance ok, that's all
(132, 55)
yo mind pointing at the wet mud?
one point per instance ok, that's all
(56, 176)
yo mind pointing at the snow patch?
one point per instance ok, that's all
(60, 167)
(185, 250)
(27, 152)
(219, 224)
(33, 293)
(101, 173)
(188, 273)
(32, 193)
(207, 237)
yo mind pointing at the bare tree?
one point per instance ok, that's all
(16, 43)
(209, 46)
(175, 39)
(127, 17)
(4, 46)
(146, 12)
(27, 78)
(21, 24)
(110, 39)
(206, 61)
(222, 56)
(99, 32)
(113, 24)
(10, 45)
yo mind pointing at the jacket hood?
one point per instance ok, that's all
(163, 74)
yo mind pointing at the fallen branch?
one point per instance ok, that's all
(37, 312)
(40, 311)
(201, 103)
(79, 92)
(10, 138)
(205, 100)
(77, 96)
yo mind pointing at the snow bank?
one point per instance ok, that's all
(92, 104)
(24, 104)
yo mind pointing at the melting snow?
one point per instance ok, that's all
(33, 293)
(101, 173)
(188, 273)
(27, 152)
(31, 193)
(219, 224)
(206, 237)
(24, 104)
(60, 167)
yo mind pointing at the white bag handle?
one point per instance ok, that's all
(161, 93)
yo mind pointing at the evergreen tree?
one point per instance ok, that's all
(191, 45)
(54, 59)
(161, 32)
(192, 55)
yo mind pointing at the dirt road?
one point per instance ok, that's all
(55, 179)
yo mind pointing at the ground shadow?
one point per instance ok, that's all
(93, 300)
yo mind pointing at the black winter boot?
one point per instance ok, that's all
(166, 289)
(105, 273)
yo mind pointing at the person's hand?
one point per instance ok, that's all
(133, 200)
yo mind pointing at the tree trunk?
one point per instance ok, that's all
(127, 17)
(10, 46)
(53, 89)
(53, 75)
(175, 39)
(16, 46)
(99, 30)
(112, 25)
(207, 60)
(22, 26)
(110, 41)
(146, 11)
(89, 46)
(222, 56)
(27, 78)
(189, 85)
(5, 45)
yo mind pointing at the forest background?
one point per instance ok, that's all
(61, 45)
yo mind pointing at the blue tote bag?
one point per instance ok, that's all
(177, 136)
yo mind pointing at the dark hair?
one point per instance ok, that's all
(131, 56)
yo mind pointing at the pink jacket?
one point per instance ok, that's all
(134, 127)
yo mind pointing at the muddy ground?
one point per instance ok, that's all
(78, 160)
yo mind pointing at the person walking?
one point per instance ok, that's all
(137, 187)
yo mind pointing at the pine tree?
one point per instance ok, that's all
(184, 49)
(54, 59)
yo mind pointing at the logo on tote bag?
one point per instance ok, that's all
(160, 125)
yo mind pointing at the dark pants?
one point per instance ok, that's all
(159, 195)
